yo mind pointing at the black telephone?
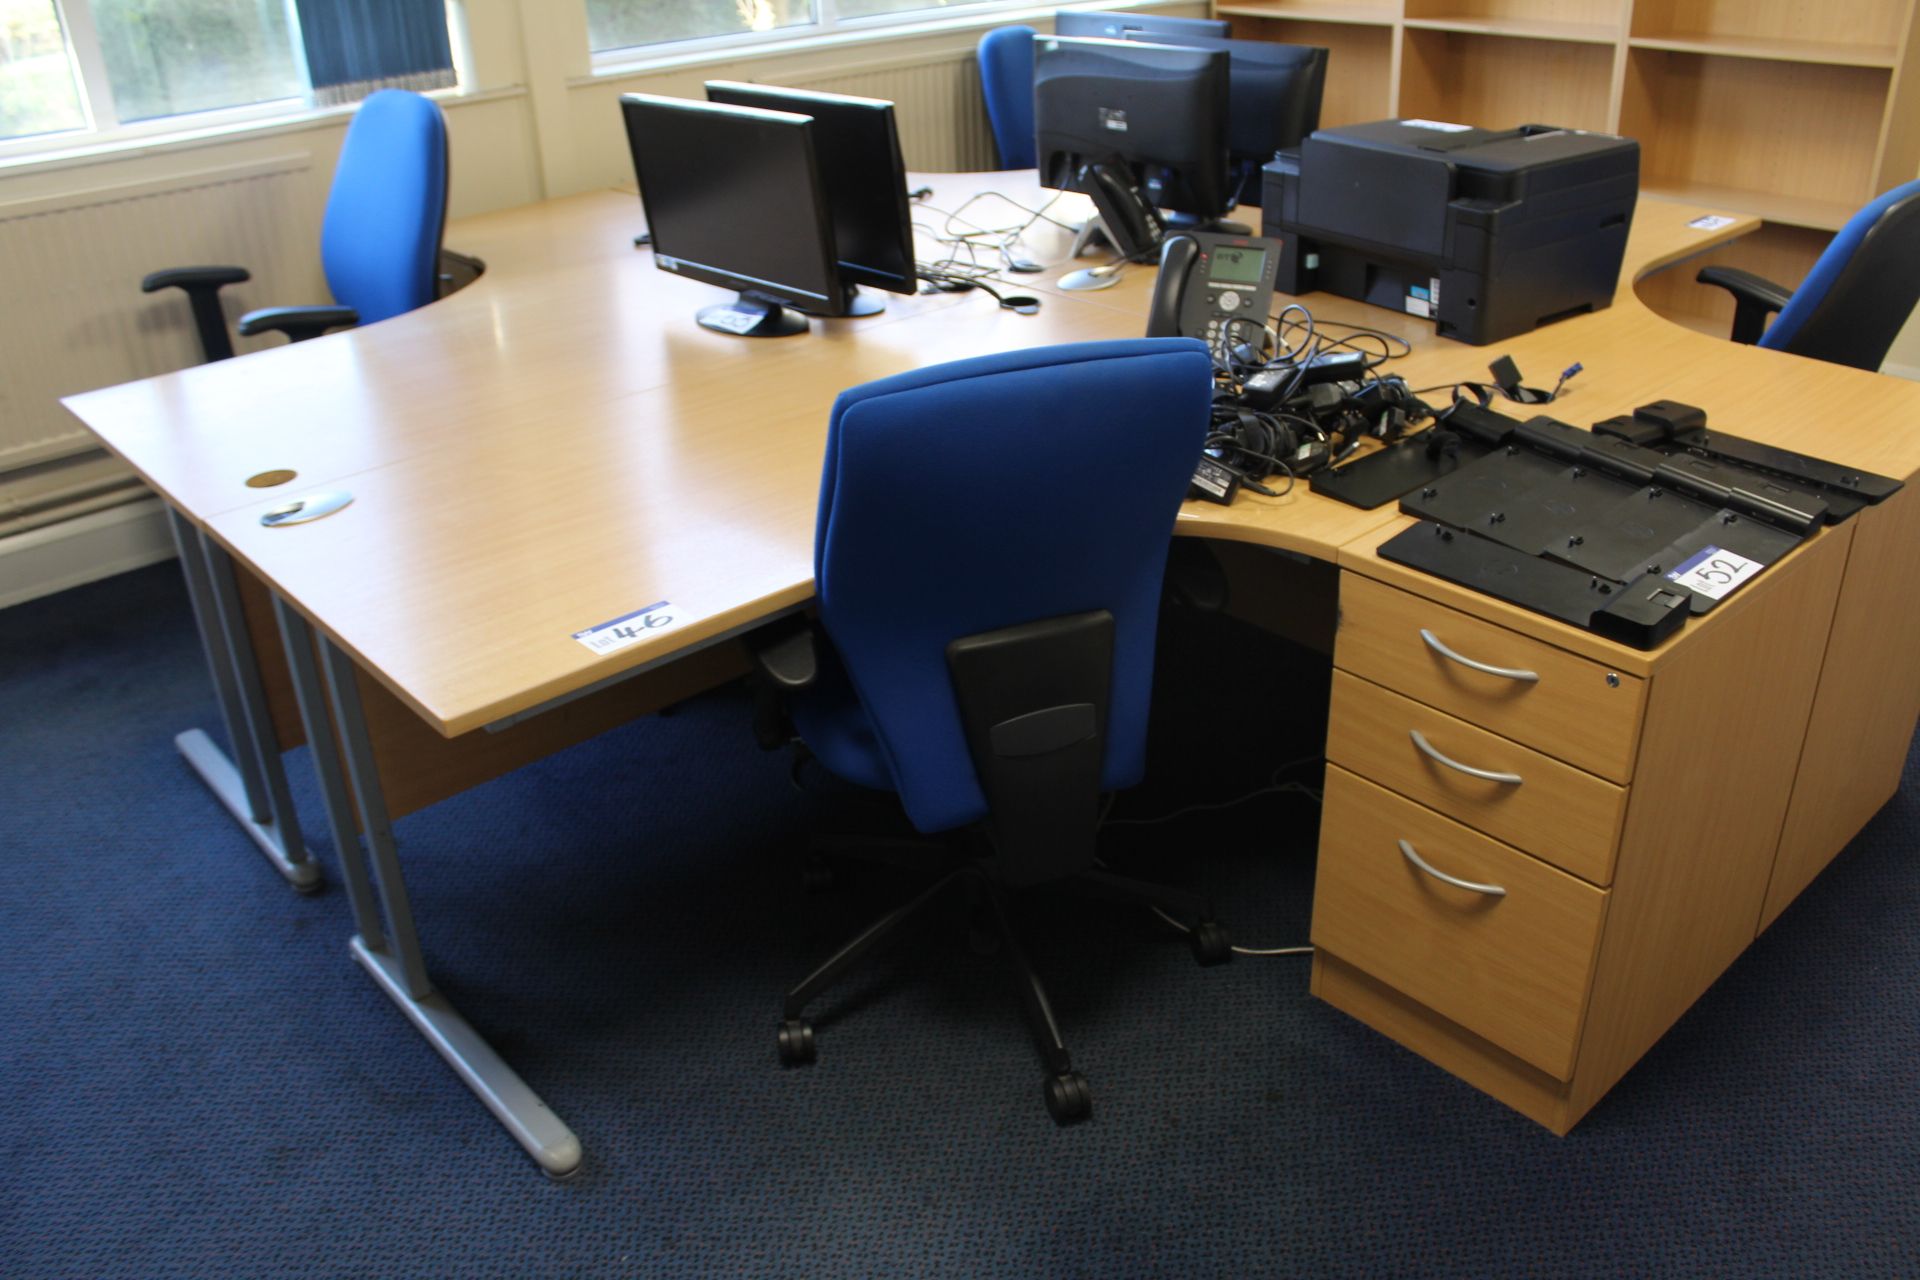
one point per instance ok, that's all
(1208, 282)
(1128, 217)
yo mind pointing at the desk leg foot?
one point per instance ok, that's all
(223, 779)
(389, 949)
(252, 782)
(545, 1137)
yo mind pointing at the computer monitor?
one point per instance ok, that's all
(1273, 96)
(864, 180)
(733, 197)
(1156, 112)
(1119, 26)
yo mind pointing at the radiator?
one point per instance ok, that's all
(937, 104)
(75, 318)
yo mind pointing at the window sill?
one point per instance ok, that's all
(189, 139)
(773, 45)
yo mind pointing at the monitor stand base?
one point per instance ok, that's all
(1192, 222)
(747, 317)
(856, 303)
(1090, 278)
(1090, 235)
(863, 304)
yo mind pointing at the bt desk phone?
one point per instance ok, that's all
(1208, 282)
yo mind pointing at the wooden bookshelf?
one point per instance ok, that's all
(1358, 14)
(1794, 112)
(1365, 52)
(1790, 211)
(1839, 55)
(1582, 32)
(1502, 81)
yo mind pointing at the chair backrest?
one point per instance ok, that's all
(380, 242)
(986, 493)
(1859, 294)
(1006, 81)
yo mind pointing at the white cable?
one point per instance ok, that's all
(1240, 951)
(1271, 788)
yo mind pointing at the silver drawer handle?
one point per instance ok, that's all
(1511, 673)
(1489, 775)
(1491, 890)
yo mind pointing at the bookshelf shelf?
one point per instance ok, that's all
(1753, 107)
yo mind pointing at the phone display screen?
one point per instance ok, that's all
(1235, 264)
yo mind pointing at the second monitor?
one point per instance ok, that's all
(1103, 25)
(1153, 114)
(1273, 97)
(862, 176)
(733, 198)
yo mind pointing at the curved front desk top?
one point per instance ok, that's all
(560, 444)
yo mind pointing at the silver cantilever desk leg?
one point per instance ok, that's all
(253, 784)
(392, 955)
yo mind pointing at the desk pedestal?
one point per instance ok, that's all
(1708, 776)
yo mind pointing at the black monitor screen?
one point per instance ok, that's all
(1118, 26)
(861, 172)
(1273, 91)
(732, 196)
(1160, 111)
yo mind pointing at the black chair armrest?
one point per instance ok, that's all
(785, 654)
(785, 660)
(190, 278)
(298, 323)
(1754, 299)
(457, 271)
(202, 286)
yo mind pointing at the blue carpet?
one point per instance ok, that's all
(195, 1079)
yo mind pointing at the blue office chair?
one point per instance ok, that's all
(1856, 299)
(988, 558)
(1006, 81)
(379, 243)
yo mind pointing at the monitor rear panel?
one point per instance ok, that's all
(1161, 111)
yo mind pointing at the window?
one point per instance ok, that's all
(38, 90)
(622, 25)
(74, 68)
(172, 57)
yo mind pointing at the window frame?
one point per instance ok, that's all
(93, 141)
(103, 128)
(830, 28)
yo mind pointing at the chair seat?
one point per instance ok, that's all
(829, 719)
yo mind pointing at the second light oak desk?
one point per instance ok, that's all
(558, 445)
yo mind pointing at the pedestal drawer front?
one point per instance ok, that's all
(1572, 709)
(1551, 810)
(1512, 967)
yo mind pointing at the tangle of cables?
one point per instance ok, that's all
(1295, 394)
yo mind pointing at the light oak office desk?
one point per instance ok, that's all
(558, 446)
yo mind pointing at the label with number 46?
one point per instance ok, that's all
(624, 630)
(1715, 573)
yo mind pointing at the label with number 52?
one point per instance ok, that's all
(1715, 573)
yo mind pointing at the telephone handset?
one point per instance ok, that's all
(1128, 217)
(1208, 282)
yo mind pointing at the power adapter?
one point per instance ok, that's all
(1214, 481)
(1269, 384)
